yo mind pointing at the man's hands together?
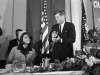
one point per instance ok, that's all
(56, 37)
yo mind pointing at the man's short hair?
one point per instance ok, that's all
(17, 30)
(61, 12)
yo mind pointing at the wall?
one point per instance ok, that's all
(12, 16)
(68, 10)
(89, 15)
(96, 9)
(6, 24)
(92, 16)
(19, 19)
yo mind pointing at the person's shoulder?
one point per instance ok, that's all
(13, 40)
(15, 47)
(55, 25)
(91, 31)
(70, 23)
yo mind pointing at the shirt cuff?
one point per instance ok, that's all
(61, 40)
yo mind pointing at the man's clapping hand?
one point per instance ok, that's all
(54, 34)
(57, 39)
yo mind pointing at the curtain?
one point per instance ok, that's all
(76, 19)
(33, 21)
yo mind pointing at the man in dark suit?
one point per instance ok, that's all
(13, 42)
(62, 37)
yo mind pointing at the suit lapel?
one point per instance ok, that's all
(64, 27)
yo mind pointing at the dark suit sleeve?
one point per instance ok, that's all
(50, 39)
(71, 35)
(9, 47)
(50, 36)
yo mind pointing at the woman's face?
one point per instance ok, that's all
(26, 39)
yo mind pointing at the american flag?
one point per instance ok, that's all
(44, 29)
(85, 27)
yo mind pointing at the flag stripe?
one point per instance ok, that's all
(44, 28)
(45, 34)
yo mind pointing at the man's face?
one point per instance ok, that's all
(17, 33)
(59, 18)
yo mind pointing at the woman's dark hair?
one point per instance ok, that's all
(21, 38)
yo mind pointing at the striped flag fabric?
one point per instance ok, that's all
(84, 27)
(44, 28)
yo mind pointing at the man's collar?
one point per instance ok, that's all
(63, 23)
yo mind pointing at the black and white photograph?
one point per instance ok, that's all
(49, 37)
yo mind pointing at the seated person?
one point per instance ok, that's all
(98, 25)
(92, 35)
(95, 33)
(13, 42)
(98, 30)
(94, 38)
(23, 51)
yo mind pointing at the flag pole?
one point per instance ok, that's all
(81, 24)
(13, 16)
(70, 12)
(40, 18)
(92, 14)
(40, 28)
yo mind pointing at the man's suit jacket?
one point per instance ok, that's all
(64, 49)
(12, 44)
